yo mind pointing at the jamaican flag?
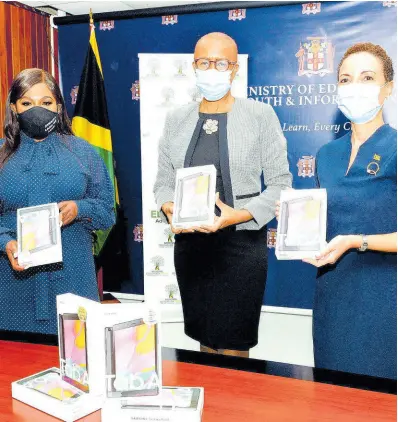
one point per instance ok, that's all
(90, 120)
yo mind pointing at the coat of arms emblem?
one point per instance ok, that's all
(316, 57)
(169, 19)
(271, 238)
(138, 233)
(74, 93)
(311, 8)
(107, 25)
(237, 14)
(306, 166)
(135, 91)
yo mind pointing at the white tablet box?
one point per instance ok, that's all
(187, 407)
(201, 182)
(67, 410)
(293, 242)
(114, 341)
(44, 247)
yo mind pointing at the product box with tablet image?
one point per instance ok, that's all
(195, 196)
(173, 404)
(39, 235)
(48, 392)
(301, 229)
(110, 349)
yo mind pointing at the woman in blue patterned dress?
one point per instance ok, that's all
(42, 162)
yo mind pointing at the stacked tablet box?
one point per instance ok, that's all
(106, 352)
(121, 356)
(110, 359)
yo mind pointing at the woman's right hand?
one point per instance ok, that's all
(11, 250)
(168, 209)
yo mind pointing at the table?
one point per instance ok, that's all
(236, 389)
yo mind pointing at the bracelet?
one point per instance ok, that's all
(365, 244)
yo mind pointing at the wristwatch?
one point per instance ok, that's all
(364, 245)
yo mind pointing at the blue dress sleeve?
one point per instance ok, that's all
(5, 237)
(6, 234)
(96, 209)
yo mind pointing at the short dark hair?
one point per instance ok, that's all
(375, 50)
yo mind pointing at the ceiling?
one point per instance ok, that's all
(77, 7)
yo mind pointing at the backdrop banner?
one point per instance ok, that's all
(166, 82)
(294, 52)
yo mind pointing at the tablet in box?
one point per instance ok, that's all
(48, 392)
(39, 235)
(109, 349)
(73, 350)
(194, 197)
(131, 363)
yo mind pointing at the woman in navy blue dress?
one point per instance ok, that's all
(42, 162)
(355, 309)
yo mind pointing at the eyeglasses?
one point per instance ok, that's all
(221, 65)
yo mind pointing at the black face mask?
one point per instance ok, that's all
(38, 122)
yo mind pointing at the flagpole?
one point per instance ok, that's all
(97, 132)
(91, 21)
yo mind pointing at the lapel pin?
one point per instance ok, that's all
(373, 168)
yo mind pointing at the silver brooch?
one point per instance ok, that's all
(210, 126)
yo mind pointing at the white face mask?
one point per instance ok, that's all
(359, 102)
(213, 84)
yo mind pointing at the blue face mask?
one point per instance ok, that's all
(213, 84)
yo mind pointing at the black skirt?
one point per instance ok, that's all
(222, 279)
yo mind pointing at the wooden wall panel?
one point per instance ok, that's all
(24, 42)
(34, 40)
(3, 63)
(39, 34)
(27, 36)
(55, 52)
(9, 55)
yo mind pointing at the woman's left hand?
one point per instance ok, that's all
(229, 216)
(333, 251)
(67, 212)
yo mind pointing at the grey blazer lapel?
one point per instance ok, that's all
(193, 142)
(224, 160)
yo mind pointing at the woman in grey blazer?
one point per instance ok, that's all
(221, 269)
